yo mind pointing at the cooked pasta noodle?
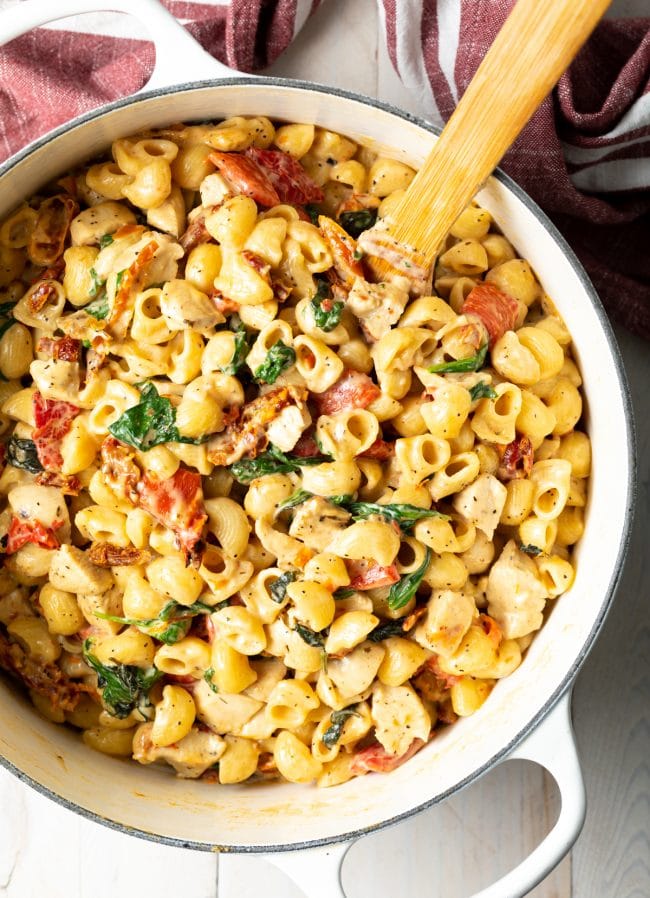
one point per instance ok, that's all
(262, 514)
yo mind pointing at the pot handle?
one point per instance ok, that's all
(317, 871)
(179, 57)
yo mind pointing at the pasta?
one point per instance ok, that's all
(261, 517)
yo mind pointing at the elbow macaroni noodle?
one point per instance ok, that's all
(200, 433)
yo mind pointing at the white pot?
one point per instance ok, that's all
(517, 720)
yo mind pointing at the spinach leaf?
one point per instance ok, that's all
(482, 390)
(387, 629)
(97, 285)
(530, 549)
(22, 454)
(6, 308)
(406, 516)
(327, 313)
(118, 279)
(171, 625)
(239, 354)
(295, 499)
(207, 676)
(315, 640)
(335, 730)
(98, 308)
(313, 212)
(106, 240)
(124, 686)
(278, 359)
(344, 593)
(278, 588)
(357, 222)
(150, 423)
(273, 461)
(459, 366)
(403, 591)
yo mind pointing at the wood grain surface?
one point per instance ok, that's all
(453, 849)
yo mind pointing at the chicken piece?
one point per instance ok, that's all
(482, 502)
(449, 616)
(72, 571)
(184, 307)
(249, 435)
(107, 602)
(316, 522)
(214, 189)
(399, 717)
(223, 712)
(516, 595)
(104, 218)
(190, 756)
(288, 427)
(377, 306)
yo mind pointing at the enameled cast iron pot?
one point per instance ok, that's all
(527, 715)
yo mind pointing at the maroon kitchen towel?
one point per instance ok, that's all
(584, 157)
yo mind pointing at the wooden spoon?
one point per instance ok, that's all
(535, 45)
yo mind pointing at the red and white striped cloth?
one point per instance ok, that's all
(584, 157)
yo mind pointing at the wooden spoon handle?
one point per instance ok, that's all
(534, 47)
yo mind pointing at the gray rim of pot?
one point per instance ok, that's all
(609, 592)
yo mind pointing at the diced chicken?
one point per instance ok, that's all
(72, 571)
(399, 717)
(108, 602)
(316, 522)
(288, 427)
(249, 435)
(104, 218)
(482, 502)
(214, 189)
(223, 712)
(55, 380)
(190, 756)
(377, 306)
(124, 252)
(449, 616)
(184, 307)
(516, 595)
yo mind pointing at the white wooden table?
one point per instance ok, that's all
(454, 849)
